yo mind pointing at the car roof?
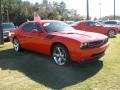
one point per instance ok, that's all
(87, 21)
(44, 21)
(7, 23)
(112, 21)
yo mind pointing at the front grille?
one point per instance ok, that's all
(97, 43)
(6, 34)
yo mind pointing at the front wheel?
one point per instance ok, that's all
(111, 33)
(60, 55)
(16, 45)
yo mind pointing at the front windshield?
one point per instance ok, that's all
(118, 23)
(57, 26)
(75, 23)
(8, 25)
(99, 24)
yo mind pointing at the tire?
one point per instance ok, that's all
(60, 55)
(111, 33)
(16, 45)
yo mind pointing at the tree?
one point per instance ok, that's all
(62, 7)
(19, 11)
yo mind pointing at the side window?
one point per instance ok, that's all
(28, 27)
(110, 22)
(37, 26)
(91, 24)
(114, 22)
(86, 24)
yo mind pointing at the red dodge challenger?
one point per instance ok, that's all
(59, 40)
(93, 26)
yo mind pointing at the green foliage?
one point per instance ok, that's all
(19, 11)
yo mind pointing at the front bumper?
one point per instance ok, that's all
(5, 35)
(89, 54)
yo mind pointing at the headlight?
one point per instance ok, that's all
(10, 34)
(84, 45)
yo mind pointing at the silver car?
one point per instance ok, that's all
(7, 27)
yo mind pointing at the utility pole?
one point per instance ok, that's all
(1, 30)
(100, 4)
(114, 10)
(7, 15)
(88, 10)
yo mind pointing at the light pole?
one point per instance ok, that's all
(88, 10)
(114, 9)
(7, 15)
(1, 31)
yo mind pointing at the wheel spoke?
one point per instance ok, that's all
(63, 58)
(59, 50)
(16, 45)
(111, 33)
(59, 55)
(56, 55)
(60, 61)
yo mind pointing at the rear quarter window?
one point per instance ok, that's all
(112, 22)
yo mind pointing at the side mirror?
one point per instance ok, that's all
(34, 31)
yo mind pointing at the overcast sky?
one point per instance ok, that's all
(107, 6)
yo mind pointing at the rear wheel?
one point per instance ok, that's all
(16, 45)
(60, 55)
(111, 33)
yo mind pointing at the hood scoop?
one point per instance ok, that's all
(70, 33)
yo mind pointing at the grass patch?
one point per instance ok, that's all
(29, 71)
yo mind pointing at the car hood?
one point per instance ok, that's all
(81, 36)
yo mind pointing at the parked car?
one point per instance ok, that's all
(59, 40)
(113, 23)
(93, 26)
(6, 29)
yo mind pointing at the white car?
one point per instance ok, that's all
(113, 23)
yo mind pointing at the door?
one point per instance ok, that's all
(25, 35)
(94, 27)
(38, 41)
